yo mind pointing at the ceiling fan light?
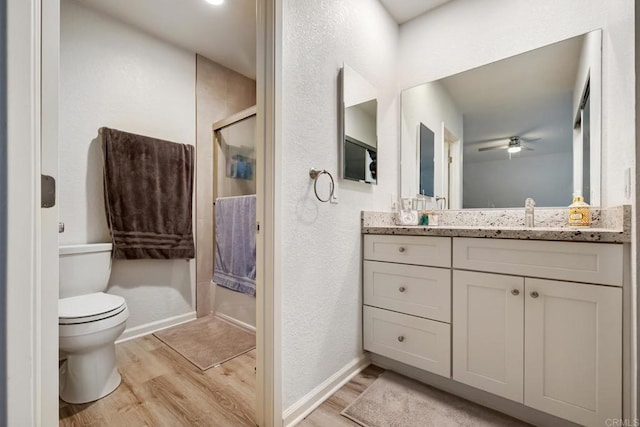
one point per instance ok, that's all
(215, 2)
(516, 149)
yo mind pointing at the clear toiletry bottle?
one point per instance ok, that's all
(529, 206)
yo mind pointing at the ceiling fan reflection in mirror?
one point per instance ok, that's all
(513, 144)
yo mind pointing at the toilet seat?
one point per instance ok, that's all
(87, 314)
(89, 308)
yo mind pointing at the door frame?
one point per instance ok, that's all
(32, 134)
(452, 168)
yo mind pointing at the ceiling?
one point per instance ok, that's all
(528, 95)
(405, 10)
(225, 34)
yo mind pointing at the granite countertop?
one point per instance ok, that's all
(522, 233)
(611, 225)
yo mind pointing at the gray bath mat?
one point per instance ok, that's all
(396, 401)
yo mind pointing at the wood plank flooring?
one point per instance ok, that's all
(328, 414)
(161, 388)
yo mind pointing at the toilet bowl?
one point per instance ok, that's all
(89, 324)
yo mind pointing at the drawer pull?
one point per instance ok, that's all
(534, 294)
(515, 292)
(402, 289)
(400, 338)
(402, 249)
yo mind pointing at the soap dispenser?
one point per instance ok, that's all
(579, 212)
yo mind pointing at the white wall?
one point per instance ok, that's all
(507, 183)
(464, 34)
(432, 105)
(321, 243)
(113, 75)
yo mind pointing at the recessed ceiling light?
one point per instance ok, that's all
(215, 2)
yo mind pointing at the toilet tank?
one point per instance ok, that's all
(84, 269)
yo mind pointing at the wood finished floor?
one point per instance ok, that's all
(328, 414)
(161, 388)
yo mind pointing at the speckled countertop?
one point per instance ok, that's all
(611, 225)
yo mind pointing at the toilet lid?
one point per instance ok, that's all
(88, 306)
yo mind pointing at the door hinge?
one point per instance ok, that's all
(450, 159)
(47, 191)
(258, 227)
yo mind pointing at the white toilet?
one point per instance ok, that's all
(89, 321)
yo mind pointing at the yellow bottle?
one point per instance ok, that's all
(579, 213)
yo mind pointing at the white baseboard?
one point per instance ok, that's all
(236, 322)
(303, 407)
(149, 328)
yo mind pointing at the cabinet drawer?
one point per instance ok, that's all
(578, 262)
(418, 250)
(418, 342)
(410, 289)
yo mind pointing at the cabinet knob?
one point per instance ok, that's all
(402, 289)
(402, 249)
(515, 292)
(534, 294)
(400, 338)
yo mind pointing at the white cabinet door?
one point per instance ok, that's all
(488, 332)
(573, 350)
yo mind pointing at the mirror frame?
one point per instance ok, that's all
(593, 75)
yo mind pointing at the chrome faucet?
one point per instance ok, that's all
(529, 206)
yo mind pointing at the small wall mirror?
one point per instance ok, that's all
(525, 126)
(358, 136)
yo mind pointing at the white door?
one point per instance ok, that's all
(573, 350)
(49, 217)
(488, 332)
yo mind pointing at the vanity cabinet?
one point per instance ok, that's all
(536, 322)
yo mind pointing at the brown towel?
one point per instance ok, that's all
(148, 188)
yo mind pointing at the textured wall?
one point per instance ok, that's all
(220, 93)
(113, 75)
(465, 34)
(321, 243)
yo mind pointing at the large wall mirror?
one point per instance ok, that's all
(525, 126)
(359, 138)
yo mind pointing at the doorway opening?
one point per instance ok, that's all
(452, 176)
(123, 69)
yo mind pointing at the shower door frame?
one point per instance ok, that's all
(216, 128)
(33, 54)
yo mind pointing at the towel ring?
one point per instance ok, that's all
(314, 174)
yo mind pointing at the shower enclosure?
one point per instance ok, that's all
(234, 174)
